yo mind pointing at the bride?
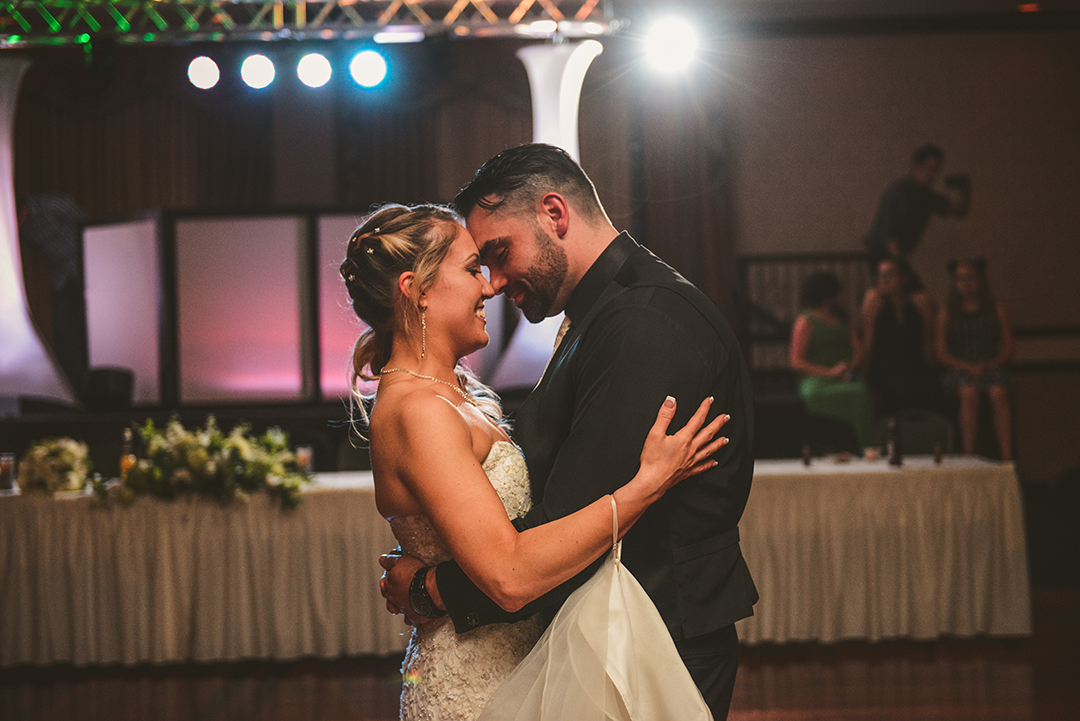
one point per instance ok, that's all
(447, 475)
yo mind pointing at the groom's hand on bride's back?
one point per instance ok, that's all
(398, 571)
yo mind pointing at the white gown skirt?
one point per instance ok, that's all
(607, 656)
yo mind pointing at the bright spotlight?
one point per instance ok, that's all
(368, 68)
(203, 73)
(400, 35)
(257, 71)
(670, 44)
(314, 70)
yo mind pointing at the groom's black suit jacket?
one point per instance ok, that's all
(639, 332)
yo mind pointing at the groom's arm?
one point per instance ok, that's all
(630, 359)
(469, 608)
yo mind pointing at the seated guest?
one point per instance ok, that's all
(897, 332)
(974, 340)
(826, 352)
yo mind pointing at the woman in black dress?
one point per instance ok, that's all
(897, 331)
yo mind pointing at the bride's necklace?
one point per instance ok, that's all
(466, 396)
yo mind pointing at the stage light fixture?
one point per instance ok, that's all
(257, 71)
(670, 44)
(203, 73)
(403, 34)
(314, 70)
(537, 29)
(368, 68)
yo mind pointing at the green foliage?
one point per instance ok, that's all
(206, 461)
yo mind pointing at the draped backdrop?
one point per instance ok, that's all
(26, 367)
(121, 131)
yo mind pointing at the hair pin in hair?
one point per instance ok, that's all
(351, 277)
(371, 234)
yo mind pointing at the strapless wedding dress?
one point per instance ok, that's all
(450, 676)
(606, 656)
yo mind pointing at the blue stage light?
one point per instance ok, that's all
(314, 70)
(368, 68)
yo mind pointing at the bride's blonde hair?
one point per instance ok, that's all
(393, 240)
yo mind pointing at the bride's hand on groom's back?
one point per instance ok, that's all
(667, 459)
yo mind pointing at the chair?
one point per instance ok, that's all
(921, 431)
(109, 388)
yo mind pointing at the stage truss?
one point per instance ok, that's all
(60, 22)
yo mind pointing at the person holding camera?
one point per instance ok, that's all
(905, 209)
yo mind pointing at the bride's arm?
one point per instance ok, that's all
(514, 567)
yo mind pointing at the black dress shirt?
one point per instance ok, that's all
(903, 213)
(639, 333)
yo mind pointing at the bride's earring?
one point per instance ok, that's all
(423, 332)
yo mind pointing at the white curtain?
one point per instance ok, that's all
(556, 73)
(26, 367)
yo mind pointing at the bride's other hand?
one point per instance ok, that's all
(668, 459)
(399, 568)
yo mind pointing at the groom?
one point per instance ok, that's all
(638, 332)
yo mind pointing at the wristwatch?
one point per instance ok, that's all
(420, 599)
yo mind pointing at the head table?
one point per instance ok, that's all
(191, 580)
(855, 550)
(865, 550)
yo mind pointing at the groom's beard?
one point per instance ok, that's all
(544, 280)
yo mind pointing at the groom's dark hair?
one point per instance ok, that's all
(518, 177)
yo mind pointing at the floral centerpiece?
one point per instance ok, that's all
(55, 464)
(176, 461)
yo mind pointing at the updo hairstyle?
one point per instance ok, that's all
(393, 240)
(396, 239)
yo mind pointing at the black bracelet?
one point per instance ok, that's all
(420, 600)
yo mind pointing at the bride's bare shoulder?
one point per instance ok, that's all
(411, 414)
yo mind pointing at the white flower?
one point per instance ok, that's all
(242, 445)
(156, 445)
(55, 465)
(197, 458)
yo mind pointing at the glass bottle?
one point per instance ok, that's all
(893, 445)
(127, 453)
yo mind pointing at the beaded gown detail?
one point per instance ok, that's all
(450, 676)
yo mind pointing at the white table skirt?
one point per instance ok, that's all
(190, 580)
(863, 550)
(857, 550)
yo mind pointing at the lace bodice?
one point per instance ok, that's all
(450, 676)
(505, 468)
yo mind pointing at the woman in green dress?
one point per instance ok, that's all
(826, 351)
